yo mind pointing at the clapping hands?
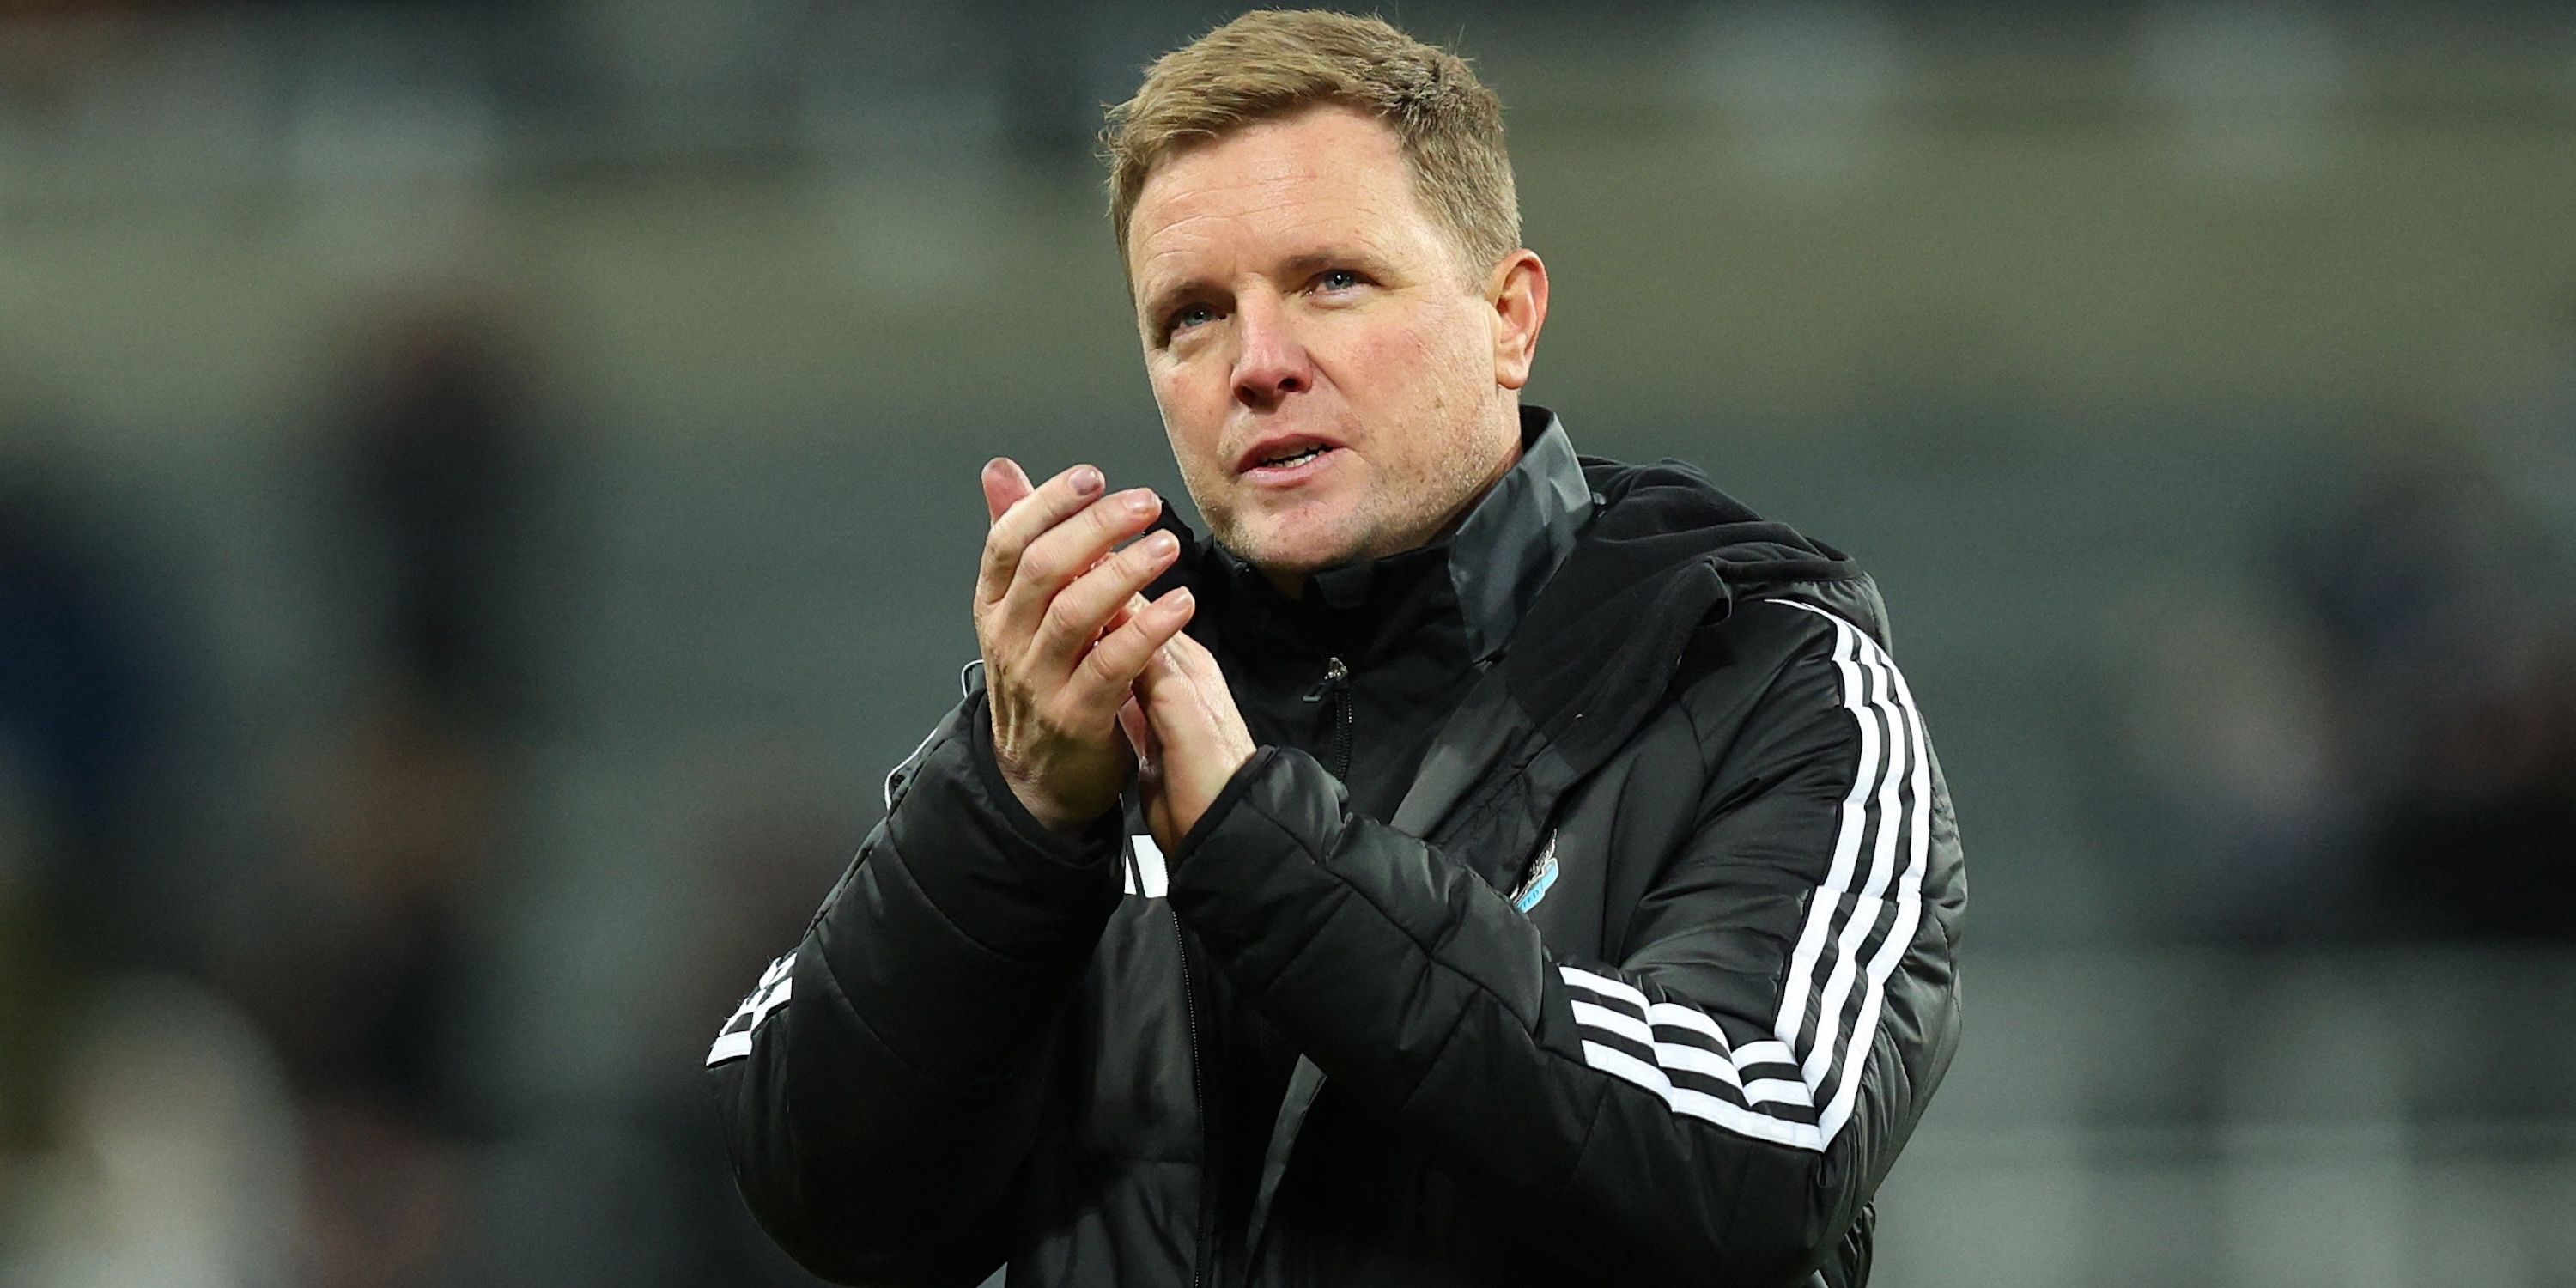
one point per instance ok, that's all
(1087, 681)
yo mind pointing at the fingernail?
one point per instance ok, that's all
(1143, 501)
(1161, 544)
(1086, 481)
(1179, 599)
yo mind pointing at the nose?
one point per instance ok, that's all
(1273, 362)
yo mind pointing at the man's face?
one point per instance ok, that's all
(1335, 382)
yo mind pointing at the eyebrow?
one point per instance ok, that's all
(1166, 298)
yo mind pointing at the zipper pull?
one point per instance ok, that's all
(1337, 686)
(1335, 674)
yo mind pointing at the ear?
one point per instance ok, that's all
(1518, 292)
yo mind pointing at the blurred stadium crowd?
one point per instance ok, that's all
(486, 489)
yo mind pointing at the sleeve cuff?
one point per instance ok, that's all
(1096, 842)
(1214, 816)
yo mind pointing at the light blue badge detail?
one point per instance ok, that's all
(1542, 878)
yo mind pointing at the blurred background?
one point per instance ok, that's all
(487, 489)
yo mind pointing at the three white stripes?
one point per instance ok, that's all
(1892, 789)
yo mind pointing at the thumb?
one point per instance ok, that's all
(1004, 484)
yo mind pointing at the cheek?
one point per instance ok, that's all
(1172, 395)
(1188, 422)
(1460, 346)
(1415, 373)
(1196, 388)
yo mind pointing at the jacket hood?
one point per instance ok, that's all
(1665, 553)
(1655, 517)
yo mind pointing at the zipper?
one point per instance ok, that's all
(1207, 1144)
(1335, 688)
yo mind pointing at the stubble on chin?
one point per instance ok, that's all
(1277, 548)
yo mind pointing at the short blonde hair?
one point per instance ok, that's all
(1271, 62)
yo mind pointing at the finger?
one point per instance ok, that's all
(1024, 518)
(1080, 613)
(1185, 689)
(1185, 666)
(1004, 484)
(1193, 657)
(1135, 604)
(1108, 672)
(1161, 691)
(1054, 557)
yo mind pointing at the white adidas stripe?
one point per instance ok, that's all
(1147, 872)
(1764, 1053)
(1626, 1026)
(1888, 811)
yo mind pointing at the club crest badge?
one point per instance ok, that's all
(1542, 876)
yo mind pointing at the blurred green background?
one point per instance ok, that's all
(487, 489)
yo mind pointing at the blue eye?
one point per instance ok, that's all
(1337, 279)
(1188, 315)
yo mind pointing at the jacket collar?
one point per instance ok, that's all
(1513, 540)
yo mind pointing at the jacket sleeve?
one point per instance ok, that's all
(880, 1087)
(1717, 1105)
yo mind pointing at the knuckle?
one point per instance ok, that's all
(1063, 616)
(1109, 515)
(1101, 664)
(1060, 614)
(1126, 649)
(1053, 502)
(1041, 565)
(1109, 651)
(1001, 549)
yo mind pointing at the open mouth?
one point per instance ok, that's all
(1288, 460)
(1293, 458)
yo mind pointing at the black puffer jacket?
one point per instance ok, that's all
(1638, 968)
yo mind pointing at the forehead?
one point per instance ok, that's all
(1325, 175)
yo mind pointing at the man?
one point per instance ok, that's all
(1531, 871)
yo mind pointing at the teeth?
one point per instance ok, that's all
(1296, 457)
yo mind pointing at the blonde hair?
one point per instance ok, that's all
(1272, 62)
